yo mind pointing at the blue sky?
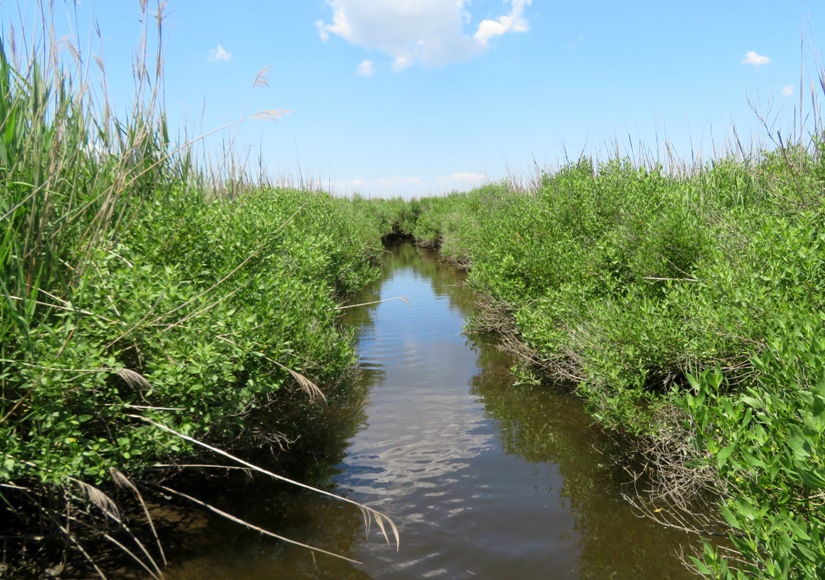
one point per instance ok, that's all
(416, 97)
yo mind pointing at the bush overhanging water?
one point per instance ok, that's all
(127, 291)
(688, 310)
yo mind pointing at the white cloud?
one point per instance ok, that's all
(406, 187)
(219, 54)
(465, 179)
(426, 32)
(398, 181)
(514, 21)
(787, 90)
(400, 63)
(365, 69)
(756, 59)
(322, 30)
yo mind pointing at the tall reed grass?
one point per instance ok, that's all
(151, 309)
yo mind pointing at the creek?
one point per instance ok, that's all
(484, 478)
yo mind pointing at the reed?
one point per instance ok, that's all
(151, 305)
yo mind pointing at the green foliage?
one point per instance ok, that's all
(124, 291)
(631, 282)
(767, 441)
(206, 302)
(394, 217)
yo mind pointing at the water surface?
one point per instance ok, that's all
(484, 478)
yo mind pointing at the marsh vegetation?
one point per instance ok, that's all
(151, 314)
(685, 307)
(158, 313)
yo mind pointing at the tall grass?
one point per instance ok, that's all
(142, 311)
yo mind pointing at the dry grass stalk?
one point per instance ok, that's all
(271, 114)
(133, 379)
(367, 511)
(310, 388)
(258, 529)
(306, 385)
(156, 574)
(152, 407)
(124, 482)
(110, 510)
(100, 499)
(261, 79)
(71, 539)
(403, 299)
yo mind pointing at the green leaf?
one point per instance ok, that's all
(724, 454)
(798, 529)
(700, 566)
(751, 460)
(751, 402)
(807, 553)
(729, 517)
(798, 443)
(818, 414)
(748, 416)
(811, 479)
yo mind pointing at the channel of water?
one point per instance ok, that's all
(484, 478)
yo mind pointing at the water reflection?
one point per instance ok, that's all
(543, 426)
(484, 479)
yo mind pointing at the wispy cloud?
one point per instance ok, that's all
(430, 33)
(464, 179)
(404, 186)
(398, 181)
(754, 58)
(218, 54)
(365, 69)
(787, 90)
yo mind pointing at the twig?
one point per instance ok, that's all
(403, 299)
(670, 279)
(379, 517)
(254, 527)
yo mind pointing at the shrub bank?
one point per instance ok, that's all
(688, 311)
(128, 295)
(197, 316)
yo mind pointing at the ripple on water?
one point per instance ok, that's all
(484, 480)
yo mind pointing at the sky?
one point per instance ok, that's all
(421, 97)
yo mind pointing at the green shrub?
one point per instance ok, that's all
(699, 291)
(127, 291)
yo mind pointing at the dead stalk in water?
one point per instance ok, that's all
(403, 299)
(124, 482)
(110, 509)
(258, 529)
(367, 511)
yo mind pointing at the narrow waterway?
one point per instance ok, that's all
(484, 478)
